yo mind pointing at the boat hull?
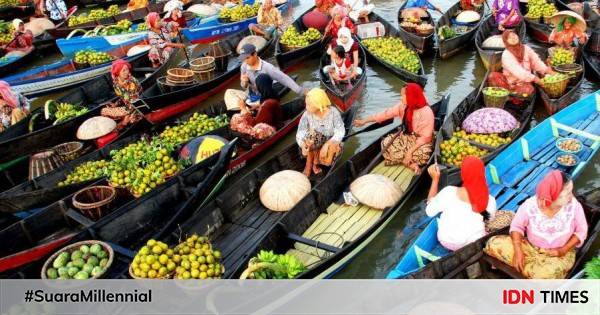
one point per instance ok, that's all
(288, 59)
(423, 44)
(491, 58)
(68, 47)
(450, 47)
(539, 31)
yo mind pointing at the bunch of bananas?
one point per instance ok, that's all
(268, 265)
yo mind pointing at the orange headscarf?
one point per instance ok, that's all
(472, 172)
(415, 99)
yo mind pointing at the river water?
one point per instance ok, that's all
(457, 77)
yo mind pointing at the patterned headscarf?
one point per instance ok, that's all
(318, 98)
(7, 94)
(117, 66)
(517, 50)
(152, 19)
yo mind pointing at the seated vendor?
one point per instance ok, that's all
(174, 14)
(13, 106)
(565, 34)
(414, 147)
(360, 10)
(417, 5)
(521, 67)
(545, 231)
(22, 38)
(506, 14)
(339, 20)
(128, 89)
(269, 20)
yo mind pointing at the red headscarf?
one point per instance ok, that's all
(517, 50)
(415, 99)
(550, 187)
(7, 94)
(117, 66)
(152, 18)
(472, 172)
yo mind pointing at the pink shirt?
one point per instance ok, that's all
(550, 233)
(516, 71)
(423, 120)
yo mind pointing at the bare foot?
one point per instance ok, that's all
(316, 169)
(416, 169)
(306, 171)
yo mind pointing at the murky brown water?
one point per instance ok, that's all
(457, 76)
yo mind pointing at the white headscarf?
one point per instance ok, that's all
(16, 23)
(345, 32)
(172, 6)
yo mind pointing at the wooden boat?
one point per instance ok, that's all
(523, 113)
(423, 44)
(215, 29)
(553, 105)
(161, 102)
(8, 13)
(40, 234)
(485, 30)
(512, 178)
(44, 189)
(538, 31)
(100, 3)
(320, 230)
(288, 58)
(155, 209)
(70, 45)
(449, 47)
(63, 74)
(341, 95)
(12, 64)
(392, 31)
(592, 64)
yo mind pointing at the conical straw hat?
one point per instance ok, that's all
(557, 17)
(95, 127)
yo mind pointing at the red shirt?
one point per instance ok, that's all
(180, 21)
(345, 23)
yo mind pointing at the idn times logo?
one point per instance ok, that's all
(512, 296)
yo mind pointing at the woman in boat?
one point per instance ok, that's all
(321, 15)
(463, 209)
(350, 46)
(57, 10)
(565, 34)
(412, 148)
(174, 9)
(268, 116)
(415, 7)
(159, 36)
(519, 66)
(506, 13)
(360, 10)
(320, 132)
(128, 89)
(136, 4)
(268, 20)
(545, 231)
(339, 20)
(22, 38)
(472, 5)
(13, 106)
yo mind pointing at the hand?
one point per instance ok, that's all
(407, 158)
(244, 78)
(559, 252)
(434, 172)
(518, 258)
(501, 27)
(359, 122)
(538, 81)
(304, 91)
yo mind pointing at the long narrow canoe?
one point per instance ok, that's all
(342, 95)
(423, 44)
(44, 189)
(449, 47)
(12, 63)
(165, 103)
(70, 45)
(392, 31)
(512, 178)
(286, 59)
(486, 30)
(63, 74)
(162, 202)
(553, 105)
(592, 63)
(215, 29)
(36, 237)
(523, 113)
(321, 231)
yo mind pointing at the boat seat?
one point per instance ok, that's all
(320, 245)
(501, 266)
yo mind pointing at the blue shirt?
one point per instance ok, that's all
(419, 4)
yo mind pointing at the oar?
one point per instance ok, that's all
(487, 73)
(487, 5)
(184, 49)
(371, 127)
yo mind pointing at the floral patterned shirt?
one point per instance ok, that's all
(331, 125)
(550, 232)
(128, 90)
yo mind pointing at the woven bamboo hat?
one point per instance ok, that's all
(376, 191)
(95, 127)
(560, 16)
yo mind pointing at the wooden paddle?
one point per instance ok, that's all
(184, 49)
(493, 61)
(369, 128)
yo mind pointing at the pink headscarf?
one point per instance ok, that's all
(152, 18)
(339, 10)
(7, 94)
(550, 187)
(117, 66)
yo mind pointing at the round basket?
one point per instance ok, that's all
(180, 75)
(205, 75)
(410, 29)
(565, 166)
(94, 201)
(424, 32)
(167, 86)
(44, 162)
(556, 89)
(495, 101)
(73, 247)
(79, 66)
(287, 48)
(561, 140)
(69, 150)
(573, 70)
(202, 63)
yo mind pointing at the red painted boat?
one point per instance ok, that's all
(341, 95)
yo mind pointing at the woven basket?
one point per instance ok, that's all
(409, 29)
(94, 201)
(495, 101)
(556, 89)
(424, 32)
(79, 66)
(73, 247)
(69, 150)
(205, 75)
(573, 70)
(202, 63)
(180, 75)
(44, 162)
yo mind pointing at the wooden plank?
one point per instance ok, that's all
(515, 202)
(379, 168)
(358, 226)
(398, 170)
(495, 189)
(316, 225)
(366, 226)
(535, 155)
(305, 258)
(518, 172)
(505, 197)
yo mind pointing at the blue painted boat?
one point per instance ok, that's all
(11, 64)
(69, 46)
(211, 29)
(512, 177)
(63, 74)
